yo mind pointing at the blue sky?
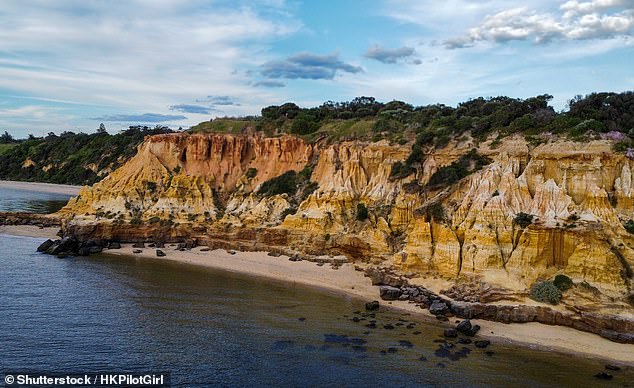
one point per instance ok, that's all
(72, 64)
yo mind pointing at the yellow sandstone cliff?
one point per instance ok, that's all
(205, 186)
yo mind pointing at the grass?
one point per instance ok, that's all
(6, 147)
(222, 125)
(356, 128)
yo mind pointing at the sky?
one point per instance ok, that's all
(69, 65)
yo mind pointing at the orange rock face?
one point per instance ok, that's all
(578, 194)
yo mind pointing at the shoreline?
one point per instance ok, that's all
(348, 282)
(50, 188)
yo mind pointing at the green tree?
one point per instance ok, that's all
(6, 138)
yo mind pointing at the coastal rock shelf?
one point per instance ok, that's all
(522, 215)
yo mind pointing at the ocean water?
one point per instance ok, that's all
(13, 200)
(212, 328)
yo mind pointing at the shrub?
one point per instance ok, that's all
(436, 212)
(523, 219)
(287, 212)
(327, 237)
(629, 226)
(251, 173)
(135, 221)
(154, 220)
(495, 193)
(448, 175)
(400, 170)
(546, 292)
(562, 282)
(362, 212)
(176, 170)
(283, 184)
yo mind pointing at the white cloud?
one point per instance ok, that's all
(579, 21)
(136, 56)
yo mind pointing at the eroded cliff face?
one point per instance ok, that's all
(199, 186)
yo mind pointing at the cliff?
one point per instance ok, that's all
(204, 187)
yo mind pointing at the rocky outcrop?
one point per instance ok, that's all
(204, 187)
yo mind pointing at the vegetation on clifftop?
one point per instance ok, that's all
(70, 158)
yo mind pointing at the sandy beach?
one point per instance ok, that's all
(41, 187)
(346, 280)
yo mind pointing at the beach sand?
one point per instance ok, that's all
(41, 187)
(346, 280)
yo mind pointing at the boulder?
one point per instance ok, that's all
(95, 249)
(473, 331)
(464, 326)
(160, 253)
(66, 245)
(138, 245)
(114, 245)
(450, 333)
(137, 251)
(438, 307)
(45, 245)
(372, 306)
(482, 344)
(389, 293)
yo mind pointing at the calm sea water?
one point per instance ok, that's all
(208, 327)
(13, 200)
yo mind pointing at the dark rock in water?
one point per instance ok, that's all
(422, 358)
(151, 245)
(370, 306)
(205, 249)
(95, 249)
(612, 367)
(358, 348)
(302, 319)
(464, 341)
(406, 344)
(137, 251)
(416, 333)
(83, 251)
(410, 326)
(336, 339)
(489, 353)
(604, 376)
(160, 253)
(358, 341)
(442, 352)
(138, 245)
(474, 330)
(438, 308)
(45, 245)
(114, 245)
(392, 350)
(482, 344)
(451, 333)
(383, 352)
(65, 245)
(356, 319)
(464, 326)
(441, 365)
(389, 327)
(371, 325)
(389, 293)
(282, 345)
